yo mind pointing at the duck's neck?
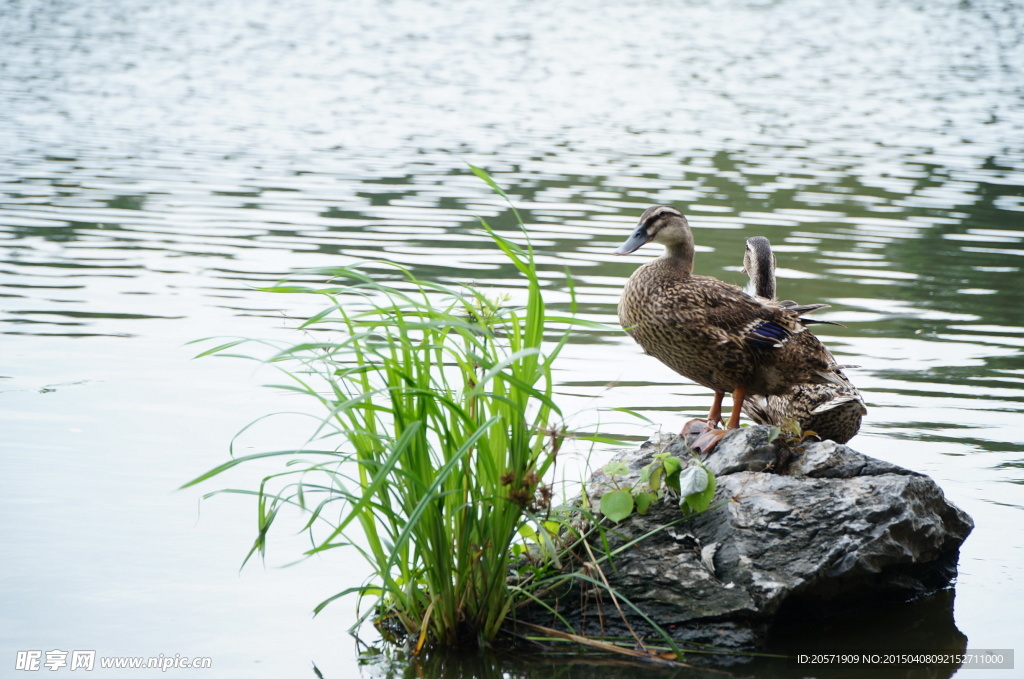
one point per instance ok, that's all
(765, 287)
(679, 256)
(764, 277)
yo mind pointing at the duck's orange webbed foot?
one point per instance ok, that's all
(696, 427)
(701, 435)
(707, 441)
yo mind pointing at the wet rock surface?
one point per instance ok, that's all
(795, 530)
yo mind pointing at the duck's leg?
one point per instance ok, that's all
(715, 414)
(738, 396)
(707, 441)
(700, 426)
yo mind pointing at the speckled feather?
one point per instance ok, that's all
(707, 331)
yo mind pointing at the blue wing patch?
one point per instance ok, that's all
(767, 334)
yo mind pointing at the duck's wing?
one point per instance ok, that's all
(803, 309)
(734, 316)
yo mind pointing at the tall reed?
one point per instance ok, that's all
(440, 425)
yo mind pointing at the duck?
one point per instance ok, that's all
(711, 332)
(829, 410)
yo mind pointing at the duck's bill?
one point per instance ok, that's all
(635, 242)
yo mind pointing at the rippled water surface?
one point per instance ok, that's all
(159, 163)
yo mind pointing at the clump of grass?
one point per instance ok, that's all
(440, 401)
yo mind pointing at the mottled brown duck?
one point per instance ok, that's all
(829, 410)
(712, 332)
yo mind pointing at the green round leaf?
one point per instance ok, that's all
(643, 502)
(672, 465)
(692, 480)
(617, 504)
(616, 468)
(655, 479)
(698, 502)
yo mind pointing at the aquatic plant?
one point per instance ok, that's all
(441, 400)
(438, 428)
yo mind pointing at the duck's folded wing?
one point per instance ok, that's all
(742, 319)
(803, 309)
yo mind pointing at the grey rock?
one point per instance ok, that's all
(795, 529)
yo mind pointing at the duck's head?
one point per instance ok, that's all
(662, 224)
(759, 264)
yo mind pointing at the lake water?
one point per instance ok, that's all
(160, 161)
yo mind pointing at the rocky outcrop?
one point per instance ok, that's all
(794, 529)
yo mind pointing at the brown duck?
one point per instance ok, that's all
(711, 332)
(829, 410)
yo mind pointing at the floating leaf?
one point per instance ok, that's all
(617, 505)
